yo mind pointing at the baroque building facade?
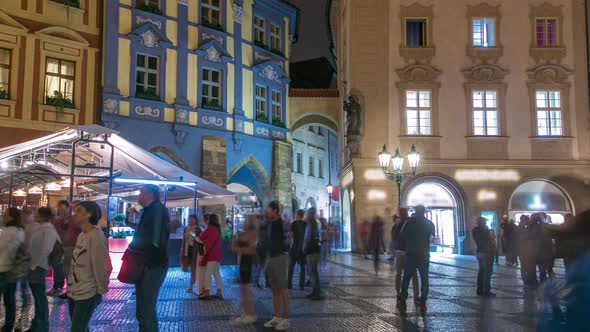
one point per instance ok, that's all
(493, 94)
(204, 85)
(50, 65)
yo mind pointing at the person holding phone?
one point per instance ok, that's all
(190, 251)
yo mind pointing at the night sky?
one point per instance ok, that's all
(313, 37)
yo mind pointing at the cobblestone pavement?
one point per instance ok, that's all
(354, 300)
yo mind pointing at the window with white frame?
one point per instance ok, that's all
(321, 168)
(59, 81)
(261, 107)
(549, 113)
(5, 57)
(146, 78)
(211, 89)
(311, 166)
(485, 113)
(211, 12)
(259, 31)
(483, 32)
(546, 32)
(277, 107)
(418, 112)
(275, 38)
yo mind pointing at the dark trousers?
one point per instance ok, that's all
(301, 261)
(484, 275)
(527, 270)
(8, 292)
(59, 276)
(40, 322)
(413, 262)
(313, 260)
(147, 290)
(81, 312)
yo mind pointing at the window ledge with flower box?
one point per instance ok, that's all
(212, 25)
(262, 118)
(211, 105)
(70, 3)
(149, 8)
(278, 123)
(278, 54)
(147, 94)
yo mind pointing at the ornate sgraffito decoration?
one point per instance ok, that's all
(418, 73)
(182, 116)
(270, 74)
(111, 106)
(239, 12)
(183, 2)
(259, 57)
(262, 131)
(239, 126)
(140, 20)
(149, 39)
(209, 36)
(211, 120)
(278, 134)
(147, 111)
(549, 74)
(213, 54)
(485, 73)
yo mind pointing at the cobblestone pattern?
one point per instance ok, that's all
(354, 300)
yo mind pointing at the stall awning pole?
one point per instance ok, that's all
(10, 190)
(195, 201)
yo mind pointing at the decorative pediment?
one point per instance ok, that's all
(64, 33)
(270, 71)
(546, 10)
(483, 10)
(485, 73)
(213, 51)
(418, 73)
(150, 36)
(549, 74)
(7, 21)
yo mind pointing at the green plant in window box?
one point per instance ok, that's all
(150, 8)
(150, 94)
(278, 122)
(260, 44)
(3, 93)
(70, 3)
(217, 26)
(277, 52)
(210, 104)
(261, 117)
(59, 101)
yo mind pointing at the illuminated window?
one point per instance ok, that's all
(418, 112)
(59, 82)
(211, 13)
(5, 57)
(211, 89)
(261, 108)
(549, 114)
(485, 113)
(483, 32)
(259, 31)
(146, 79)
(275, 38)
(416, 32)
(546, 32)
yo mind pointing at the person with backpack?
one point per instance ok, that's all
(12, 237)
(91, 267)
(43, 243)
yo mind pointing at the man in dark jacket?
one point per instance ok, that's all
(415, 241)
(312, 249)
(151, 238)
(485, 257)
(296, 254)
(509, 234)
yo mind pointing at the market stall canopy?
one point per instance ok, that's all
(48, 158)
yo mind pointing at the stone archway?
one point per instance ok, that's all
(250, 173)
(315, 119)
(169, 156)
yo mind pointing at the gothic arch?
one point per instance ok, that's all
(315, 118)
(250, 173)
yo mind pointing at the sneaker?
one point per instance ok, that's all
(247, 320)
(273, 322)
(54, 292)
(238, 320)
(282, 325)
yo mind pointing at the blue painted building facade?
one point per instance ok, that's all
(203, 84)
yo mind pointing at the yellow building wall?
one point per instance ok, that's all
(230, 46)
(124, 108)
(169, 114)
(193, 11)
(231, 79)
(126, 2)
(193, 40)
(191, 85)
(249, 128)
(124, 21)
(171, 32)
(247, 55)
(193, 118)
(170, 76)
(124, 67)
(229, 124)
(172, 8)
(247, 21)
(248, 93)
(229, 16)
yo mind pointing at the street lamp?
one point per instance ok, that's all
(329, 189)
(397, 163)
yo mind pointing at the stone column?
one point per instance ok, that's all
(281, 174)
(213, 169)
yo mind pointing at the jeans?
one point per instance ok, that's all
(81, 311)
(8, 292)
(147, 290)
(297, 260)
(40, 322)
(484, 275)
(413, 262)
(313, 261)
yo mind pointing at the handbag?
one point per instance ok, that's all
(203, 258)
(132, 266)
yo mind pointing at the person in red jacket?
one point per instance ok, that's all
(212, 258)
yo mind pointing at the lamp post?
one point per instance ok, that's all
(397, 163)
(329, 189)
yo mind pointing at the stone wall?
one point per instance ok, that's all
(281, 174)
(213, 169)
